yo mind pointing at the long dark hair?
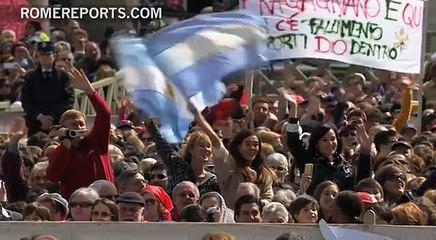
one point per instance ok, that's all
(316, 135)
(258, 164)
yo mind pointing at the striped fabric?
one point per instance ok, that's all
(197, 53)
(188, 62)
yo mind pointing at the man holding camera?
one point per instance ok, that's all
(82, 157)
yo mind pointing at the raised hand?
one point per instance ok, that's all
(17, 129)
(80, 81)
(363, 137)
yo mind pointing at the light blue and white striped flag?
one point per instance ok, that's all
(196, 54)
(188, 62)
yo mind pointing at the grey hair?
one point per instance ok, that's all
(87, 192)
(40, 166)
(284, 196)
(277, 157)
(276, 208)
(64, 45)
(186, 184)
(251, 186)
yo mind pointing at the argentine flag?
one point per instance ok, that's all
(188, 61)
(150, 90)
(197, 53)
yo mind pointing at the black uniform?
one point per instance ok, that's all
(47, 95)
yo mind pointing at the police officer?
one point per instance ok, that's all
(46, 93)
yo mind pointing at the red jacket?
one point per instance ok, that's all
(79, 167)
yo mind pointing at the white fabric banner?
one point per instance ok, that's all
(384, 34)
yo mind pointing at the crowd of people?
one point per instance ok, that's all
(340, 151)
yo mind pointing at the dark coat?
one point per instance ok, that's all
(51, 96)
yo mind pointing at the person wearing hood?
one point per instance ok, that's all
(217, 208)
(158, 204)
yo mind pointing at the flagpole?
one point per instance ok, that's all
(421, 75)
(249, 79)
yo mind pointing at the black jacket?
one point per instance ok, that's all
(338, 171)
(47, 96)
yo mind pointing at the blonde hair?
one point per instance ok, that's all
(268, 137)
(192, 140)
(431, 195)
(71, 114)
(266, 150)
(218, 236)
(135, 142)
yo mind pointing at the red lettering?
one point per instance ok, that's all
(323, 4)
(412, 15)
(296, 4)
(335, 47)
(279, 24)
(324, 45)
(271, 6)
(292, 24)
(265, 4)
(372, 5)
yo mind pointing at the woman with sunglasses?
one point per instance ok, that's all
(392, 178)
(158, 204)
(104, 210)
(80, 204)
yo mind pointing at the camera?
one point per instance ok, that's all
(72, 134)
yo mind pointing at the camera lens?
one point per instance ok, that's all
(73, 134)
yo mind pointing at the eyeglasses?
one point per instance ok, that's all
(67, 59)
(102, 214)
(5, 85)
(150, 202)
(158, 176)
(400, 177)
(280, 169)
(80, 204)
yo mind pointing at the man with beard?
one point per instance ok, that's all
(130, 206)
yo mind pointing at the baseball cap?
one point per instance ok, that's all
(367, 198)
(131, 197)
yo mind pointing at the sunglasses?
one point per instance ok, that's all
(394, 177)
(5, 85)
(158, 176)
(280, 169)
(80, 204)
(102, 214)
(150, 202)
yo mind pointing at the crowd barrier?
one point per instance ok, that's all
(187, 231)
